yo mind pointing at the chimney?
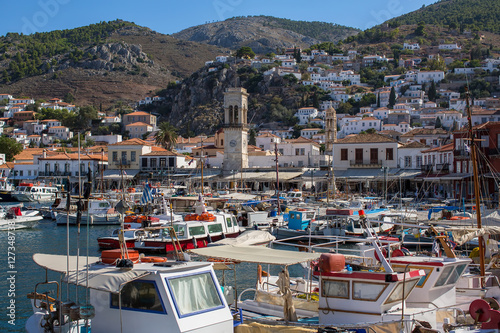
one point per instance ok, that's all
(44, 153)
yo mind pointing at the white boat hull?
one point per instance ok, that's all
(94, 219)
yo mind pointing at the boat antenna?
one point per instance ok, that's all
(473, 152)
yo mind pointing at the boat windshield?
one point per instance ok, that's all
(194, 294)
(139, 296)
(397, 293)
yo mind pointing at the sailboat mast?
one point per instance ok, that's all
(277, 176)
(477, 194)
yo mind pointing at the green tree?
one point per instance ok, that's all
(392, 98)
(245, 52)
(84, 117)
(69, 98)
(166, 135)
(438, 123)
(371, 131)
(420, 31)
(251, 137)
(9, 147)
(432, 93)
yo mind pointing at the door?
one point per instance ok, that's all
(359, 155)
(373, 156)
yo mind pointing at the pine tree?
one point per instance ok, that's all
(432, 92)
(392, 98)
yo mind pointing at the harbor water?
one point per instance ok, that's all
(20, 279)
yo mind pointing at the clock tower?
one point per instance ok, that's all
(235, 130)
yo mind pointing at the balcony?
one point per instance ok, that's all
(426, 168)
(366, 164)
(444, 167)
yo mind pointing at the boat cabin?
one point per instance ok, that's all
(301, 219)
(348, 297)
(167, 295)
(438, 285)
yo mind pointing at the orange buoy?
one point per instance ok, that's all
(153, 259)
(111, 256)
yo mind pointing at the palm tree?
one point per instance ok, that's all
(166, 135)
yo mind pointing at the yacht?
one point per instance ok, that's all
(31, 192)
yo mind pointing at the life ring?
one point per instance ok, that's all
(153, 259)
(473, 207)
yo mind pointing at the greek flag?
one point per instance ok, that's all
(147, 196)
(467, 147)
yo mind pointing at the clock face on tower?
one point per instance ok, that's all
(232, 143)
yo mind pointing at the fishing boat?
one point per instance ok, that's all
(196, 231)
(31, 192)
(6, 189)
(14, 218)
(150, 293)
(130, 235)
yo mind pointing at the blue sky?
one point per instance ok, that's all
(165, 16)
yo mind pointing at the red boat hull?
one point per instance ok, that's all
(110, 243)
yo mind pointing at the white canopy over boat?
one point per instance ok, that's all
(102, 278)
(256, 254)
(249, 237)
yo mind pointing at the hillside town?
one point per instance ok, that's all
(407, 136)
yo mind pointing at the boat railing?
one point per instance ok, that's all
(269, 284)
(490, 280)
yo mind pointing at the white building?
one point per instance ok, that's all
(365, 151)
(428, 76)
(453, 46)
(306, 114)
(411, 46)
(61, 132)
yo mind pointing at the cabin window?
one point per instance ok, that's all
(194, 294)
(229, 222)
(423, 279)
(456, 274)
(197, 231)
(179, 230)
(337, 289)
(367, 291)
(397, 293)
(214, 228)
(445, 274)
(139, 295)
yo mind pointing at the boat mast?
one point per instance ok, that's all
(277, 176)
(201, 160)
(473, 152)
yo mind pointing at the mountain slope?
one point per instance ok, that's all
(99, 64)
(264, 33)
(464, 14)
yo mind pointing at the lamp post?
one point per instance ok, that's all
(385, 170)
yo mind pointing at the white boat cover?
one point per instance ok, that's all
(249, 237)
(256, 254)
(463, 235)
(101, 277)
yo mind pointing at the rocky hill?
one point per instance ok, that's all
(99, 64)
(196, 105)
(264, 33)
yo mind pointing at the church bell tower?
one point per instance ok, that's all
(235, 130)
